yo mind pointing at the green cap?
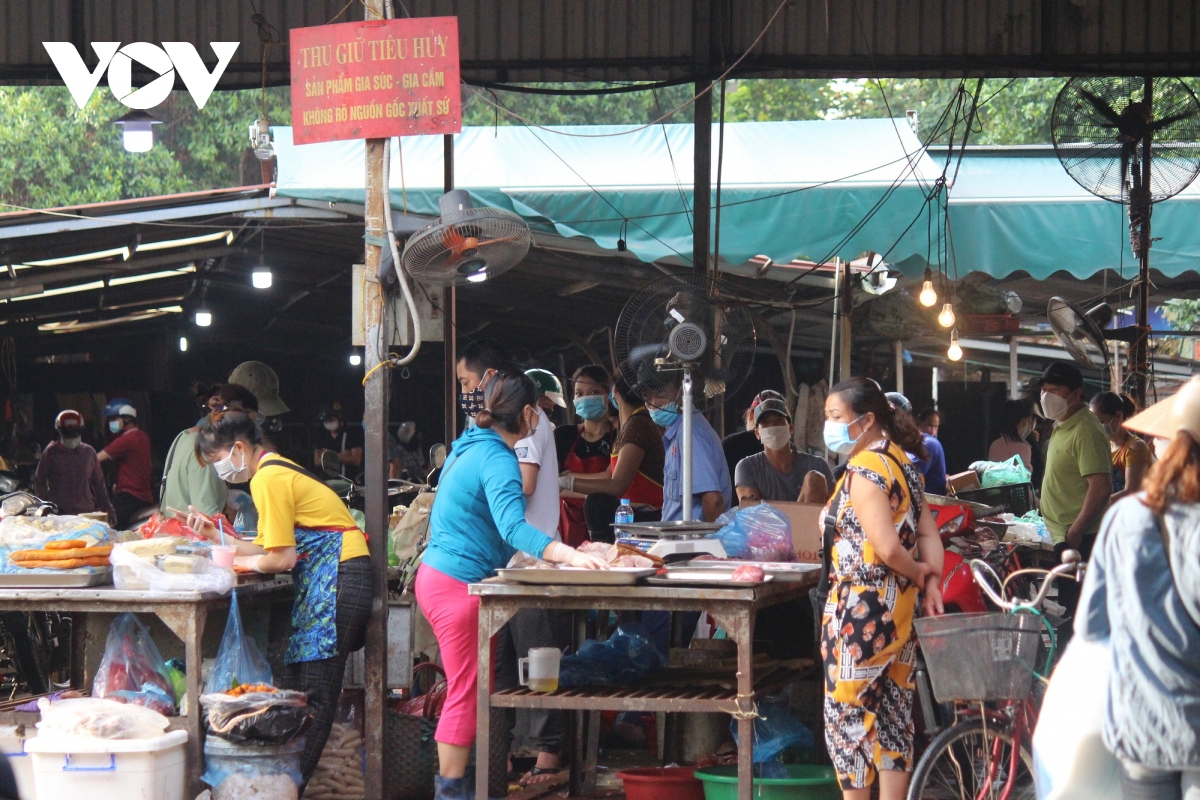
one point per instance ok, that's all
(549, 385)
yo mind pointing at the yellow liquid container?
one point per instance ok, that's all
(543, 685)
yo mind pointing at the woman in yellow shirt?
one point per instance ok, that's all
(305, 528)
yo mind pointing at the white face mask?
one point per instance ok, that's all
(1055, 407)
(70, 442)
(776, 437)
(331, 425)
(230, 472)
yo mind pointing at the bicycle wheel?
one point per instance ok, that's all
(956, 766)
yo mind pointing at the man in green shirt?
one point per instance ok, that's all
(1078, 480)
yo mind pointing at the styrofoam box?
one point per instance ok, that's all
(109, 769)
(12, 746)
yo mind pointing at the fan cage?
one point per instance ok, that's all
(470, 242)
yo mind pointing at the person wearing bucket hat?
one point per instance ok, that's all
(263, 383)
(1150, 615)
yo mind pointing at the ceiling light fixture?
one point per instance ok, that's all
(946, 318)
(355, 360)
(955, 352)
(261, 277)
(137, 131)
(183, 344)
(125, 280)
(75, 326)
(168, 244)
(928, 296)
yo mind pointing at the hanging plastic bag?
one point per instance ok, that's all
(239, 661)
(131, 662)
(133, 572)
(1001, 473)
(775, 730)
(756, 533)
(259, 717)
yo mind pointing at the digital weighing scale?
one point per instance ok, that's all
(665, 539)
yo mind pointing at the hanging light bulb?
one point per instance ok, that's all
(137, 131)
(183, 344)
(261, 277)
(928, 296)
(355, 359)
(203, 317)
(955, 352)
(946, 318)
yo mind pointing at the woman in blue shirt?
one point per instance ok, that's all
(477, 524)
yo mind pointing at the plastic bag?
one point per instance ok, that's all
(131, 660)
(625, 658)
(100, 719)
(262, 717)
(150, 696)
(132, 572)
(1001, 473)
(239, 661)
(756, 533)
(32, 533)
(775, 730)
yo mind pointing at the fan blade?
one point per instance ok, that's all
(1102, 107)
(500, 240)
(1171, 120)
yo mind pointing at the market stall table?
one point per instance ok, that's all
(733, 609)
(184, 613)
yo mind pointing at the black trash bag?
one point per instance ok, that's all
(261, 717)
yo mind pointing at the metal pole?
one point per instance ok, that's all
(687, 445)
(847, 307)
(1140, 199)
(702, 124)
(1014, 377)
(837, 313)
(450, 314)
(375, 462)
(899, 345)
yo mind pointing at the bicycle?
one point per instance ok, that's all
(984, 664)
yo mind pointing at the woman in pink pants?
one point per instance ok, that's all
(477, 524)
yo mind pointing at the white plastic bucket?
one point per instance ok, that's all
(110, 769)
(12, 745)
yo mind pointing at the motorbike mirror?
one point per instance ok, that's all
(1071, 557)
(330, 464)
(437, 456)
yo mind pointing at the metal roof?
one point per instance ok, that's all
(615, 40)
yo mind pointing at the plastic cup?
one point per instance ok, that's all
(222, 555)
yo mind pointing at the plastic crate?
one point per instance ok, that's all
(1016, 499)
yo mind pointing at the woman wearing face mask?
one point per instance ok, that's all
(584, 449)
(886, 552)
(68, 473)
(476, 525)
(635, 472)
(1016, 424)
(304, 528)
(1131, 457)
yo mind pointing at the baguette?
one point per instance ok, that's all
(65, 563)
(68, 544)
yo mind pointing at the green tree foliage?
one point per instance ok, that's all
(52, 153)
(627, 108)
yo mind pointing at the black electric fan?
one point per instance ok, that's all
(685, 330)
(466, 244)
(1134, 141)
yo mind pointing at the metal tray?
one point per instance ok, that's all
(705, 577)
(658, 530)
(781, 571)
(573, 576)
(56, 580)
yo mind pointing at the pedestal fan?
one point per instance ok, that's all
(1134, 141)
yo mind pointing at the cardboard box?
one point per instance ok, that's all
(963, 481)
(805, 519)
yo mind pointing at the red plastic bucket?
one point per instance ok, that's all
(671, 783)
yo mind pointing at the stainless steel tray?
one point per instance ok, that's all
(573, 576)
(705, 577)
(56, 580)
(782, 571)
(653, 530)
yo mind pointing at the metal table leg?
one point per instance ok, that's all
(579, 743)
(745, 702)
(492, 616)
(187, 622)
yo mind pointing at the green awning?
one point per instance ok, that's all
(791, 190)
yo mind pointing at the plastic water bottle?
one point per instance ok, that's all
(624, 513)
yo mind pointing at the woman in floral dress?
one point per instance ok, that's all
(886, 551)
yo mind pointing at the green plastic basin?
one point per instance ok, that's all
(803, 782)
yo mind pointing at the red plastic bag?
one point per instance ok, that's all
(131, 660)
(162, 525)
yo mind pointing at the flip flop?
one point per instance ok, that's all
(536, 771)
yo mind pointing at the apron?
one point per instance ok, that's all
(315, 578)
(571, 523)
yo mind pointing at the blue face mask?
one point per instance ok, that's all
(592, 407)
(665, 417)
(613, 399)
(837, 436)
(114, 425)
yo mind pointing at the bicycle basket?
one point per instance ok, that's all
(980, 656)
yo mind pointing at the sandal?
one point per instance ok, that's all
(535, 772)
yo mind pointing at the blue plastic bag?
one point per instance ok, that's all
(756, 533)
(775, 730)
(626, 658)
(239, 661)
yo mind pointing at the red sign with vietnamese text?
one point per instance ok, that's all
(371, 80)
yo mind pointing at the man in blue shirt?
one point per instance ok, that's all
(712, 490)
(933, 468)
